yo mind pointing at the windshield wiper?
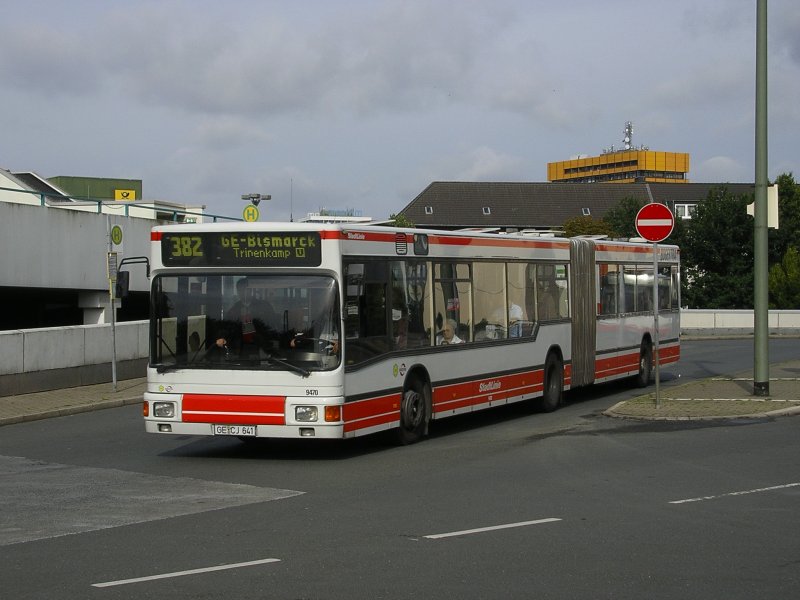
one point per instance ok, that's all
(284, 363)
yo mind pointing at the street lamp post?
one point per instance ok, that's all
(761, 242)
(256, 198)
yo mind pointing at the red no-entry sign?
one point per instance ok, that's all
(654, 222)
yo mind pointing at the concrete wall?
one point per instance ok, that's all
(39, 359)
(707, 322)
(33, 360)
(46, 247)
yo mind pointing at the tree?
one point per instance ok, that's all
(621, 219)
(401, 221)
(784, 281)
(586, 225)
(717, 253)
(788, 233)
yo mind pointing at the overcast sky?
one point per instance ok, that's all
(362, 103)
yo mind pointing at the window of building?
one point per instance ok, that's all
(684, 211)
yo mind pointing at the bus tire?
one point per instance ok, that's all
(414, 412)
(553, 392)
(645, 365)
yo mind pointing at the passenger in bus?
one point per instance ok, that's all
(547, 292)
(247, 322)
(515, 318)
(399, 329)
(448, 334)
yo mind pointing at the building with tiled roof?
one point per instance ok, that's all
(542, 206)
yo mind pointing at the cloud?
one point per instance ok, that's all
(364, 102)
(721, 169)
(487, 164)
(226, 132)
(392, 55)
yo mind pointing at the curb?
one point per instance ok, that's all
(71, 410)
(617, 412)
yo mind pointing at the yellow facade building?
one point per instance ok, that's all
(623, 166)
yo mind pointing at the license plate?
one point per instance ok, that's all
(242, 430)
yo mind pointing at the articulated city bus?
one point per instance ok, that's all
(293, 330)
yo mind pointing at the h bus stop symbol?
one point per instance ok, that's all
(250, 213)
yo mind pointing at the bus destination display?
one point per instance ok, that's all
(240, 249)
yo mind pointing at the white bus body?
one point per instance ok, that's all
(358, 316)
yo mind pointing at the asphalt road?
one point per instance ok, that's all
(505, 504)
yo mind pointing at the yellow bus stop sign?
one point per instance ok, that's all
(250, 213)
(116, 235)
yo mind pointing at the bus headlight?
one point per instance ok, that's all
(305, 414)
(164, 410)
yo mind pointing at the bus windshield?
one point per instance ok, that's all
(237, 321)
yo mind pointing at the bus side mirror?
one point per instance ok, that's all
(121, 286)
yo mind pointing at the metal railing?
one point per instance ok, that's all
(161, 212)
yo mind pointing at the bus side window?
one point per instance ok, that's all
(366, 329)
(452, 289)
(521, 300)
(628, 304)
(547, 293)
(609, 289)
(562, 283)
(491, 316)
(674, 300)
(409, 282)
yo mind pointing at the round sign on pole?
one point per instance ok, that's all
(250, 213)
(654, 222)
(116, 235)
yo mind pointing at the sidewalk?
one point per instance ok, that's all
(69, 401)
(712, 398)
(718, 398)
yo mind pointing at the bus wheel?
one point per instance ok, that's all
(645, 365)
(414, 413)
(553, 384)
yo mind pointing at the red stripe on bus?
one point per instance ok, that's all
(628, 363)
(616, 365)
(448, 240)
(371, 407)
(222, 408)
(482, 391)
(371, 412)
(155, 236)
(233, 419)
(669, 354)
(452, 240)
(372, 422)
(619, 248)
(365, 236)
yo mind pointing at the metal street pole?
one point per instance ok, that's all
(761, 279)
(656, 360)
(112, 277)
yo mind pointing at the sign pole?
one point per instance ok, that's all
(112, 278)
(654, 222)
(655, 324)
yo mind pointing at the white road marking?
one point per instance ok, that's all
(189, 572)
(742, 493)
(439, 536)
(43, 502)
